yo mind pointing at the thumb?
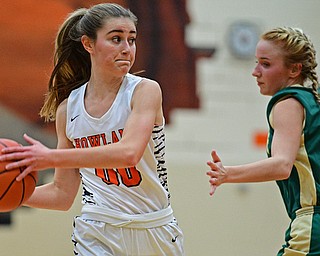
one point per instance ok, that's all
(30, 140)
(215, 156)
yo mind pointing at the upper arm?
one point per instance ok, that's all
(146, 112)
(288, 120)
(66, 179)
(61, 122)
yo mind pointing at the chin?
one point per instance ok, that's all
(123, 71)
(265, 93)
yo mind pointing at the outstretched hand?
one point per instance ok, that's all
(31, 158)
(217, 174)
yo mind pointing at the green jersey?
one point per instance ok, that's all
(302, 188)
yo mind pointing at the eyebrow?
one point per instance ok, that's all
(121, 31)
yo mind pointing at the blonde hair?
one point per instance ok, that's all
(72, 64)
(297, 48)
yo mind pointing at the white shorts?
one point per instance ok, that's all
(105, 234)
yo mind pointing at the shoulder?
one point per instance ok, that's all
(62, 106)
(77, 91)
(291, 95)
(287, 103)
(150, 83)
(288, 112)
(290, 103)
(147, 92)
(62, 112)
(141, 79)
(148, 86)
(298, 92)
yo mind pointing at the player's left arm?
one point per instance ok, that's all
(146, 113)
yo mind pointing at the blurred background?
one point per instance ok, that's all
(202, 54)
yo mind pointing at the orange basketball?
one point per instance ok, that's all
(13, 193)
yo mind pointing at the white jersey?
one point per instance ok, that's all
(134, 190)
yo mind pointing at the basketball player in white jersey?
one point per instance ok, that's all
(110, 129)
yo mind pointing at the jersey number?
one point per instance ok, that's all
(130, 177)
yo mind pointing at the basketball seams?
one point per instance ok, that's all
(5, 171)
(23, 188)
(3, 144)
(14, 193)
(33, 177)
(8, 141)
(8, 188)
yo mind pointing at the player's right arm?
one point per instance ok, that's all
(288, 120)
(59, 194)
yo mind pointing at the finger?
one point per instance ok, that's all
(12, 156)
(209, 163)
(25, 172)
(12, 149)
(213, 181)
(213, 166)
(212, 189)
(28, 139)
(19, 164)
(212, 174)
(215, 156)
(5, 157)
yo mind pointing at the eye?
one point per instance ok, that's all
(116, 39)
(265, 64)
(262, 63)
(132, 40)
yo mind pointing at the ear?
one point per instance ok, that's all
(87, 43)
(295, 70)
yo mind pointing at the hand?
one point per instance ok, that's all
(31, 158)
(217, 173)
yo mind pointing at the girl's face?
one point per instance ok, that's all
(271, 72)
(115, 47)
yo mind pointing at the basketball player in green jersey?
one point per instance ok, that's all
(285, 70)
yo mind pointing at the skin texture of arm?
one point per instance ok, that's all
(288, 119)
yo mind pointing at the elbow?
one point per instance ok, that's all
(285, 168)
(132, 157)
(64, 209)
(65, 197)
(67, 206)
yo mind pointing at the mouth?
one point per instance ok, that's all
(123, 61)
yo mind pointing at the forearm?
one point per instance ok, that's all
(265, 170)
(57, 195)
(117, 155)
(46, 197)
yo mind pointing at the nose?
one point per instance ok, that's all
(256, 72)
(125, 47)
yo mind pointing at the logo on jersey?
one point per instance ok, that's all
(174, 239)
(73, 118)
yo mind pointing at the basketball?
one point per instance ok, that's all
(13, 193)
